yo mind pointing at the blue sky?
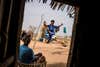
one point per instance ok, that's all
(34, 10)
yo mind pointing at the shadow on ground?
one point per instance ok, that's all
(57, 65)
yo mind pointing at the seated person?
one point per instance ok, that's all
(26, 54)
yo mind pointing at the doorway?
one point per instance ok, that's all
(35, 14)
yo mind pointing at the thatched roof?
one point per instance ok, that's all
(70, 9)
(70, 2)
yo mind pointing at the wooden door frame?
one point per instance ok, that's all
(72, 39)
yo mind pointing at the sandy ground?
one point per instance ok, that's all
(56, 54)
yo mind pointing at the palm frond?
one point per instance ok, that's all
(28, 0)
(70, 9)
(63, 7)
(52, 3)
(39, 1)
(44, 1)
(55, 5)
(59, 6)
(31, 0)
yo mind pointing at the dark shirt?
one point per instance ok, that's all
(26, 54)
(52, 29)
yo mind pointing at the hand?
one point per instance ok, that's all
(38, 54)
(61, 24)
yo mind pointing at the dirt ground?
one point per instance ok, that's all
(56, 54)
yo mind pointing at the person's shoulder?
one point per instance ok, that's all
(30, 49)
(48, 25)
(21, 45)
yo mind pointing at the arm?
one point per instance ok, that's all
(32, 56)
(60, 25)
(37, 56)
(57, 27)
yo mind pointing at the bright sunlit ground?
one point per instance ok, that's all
(56, 54)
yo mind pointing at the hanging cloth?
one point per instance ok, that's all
(64, 30)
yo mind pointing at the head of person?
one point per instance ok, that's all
(44, 23)
(23, 32)
(27, 40)
(52, 22)
(30, 33)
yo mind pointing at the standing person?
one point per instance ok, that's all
(41, 34)
(52, 29)
(43, 29)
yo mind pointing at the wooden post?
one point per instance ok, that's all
(73, 36)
